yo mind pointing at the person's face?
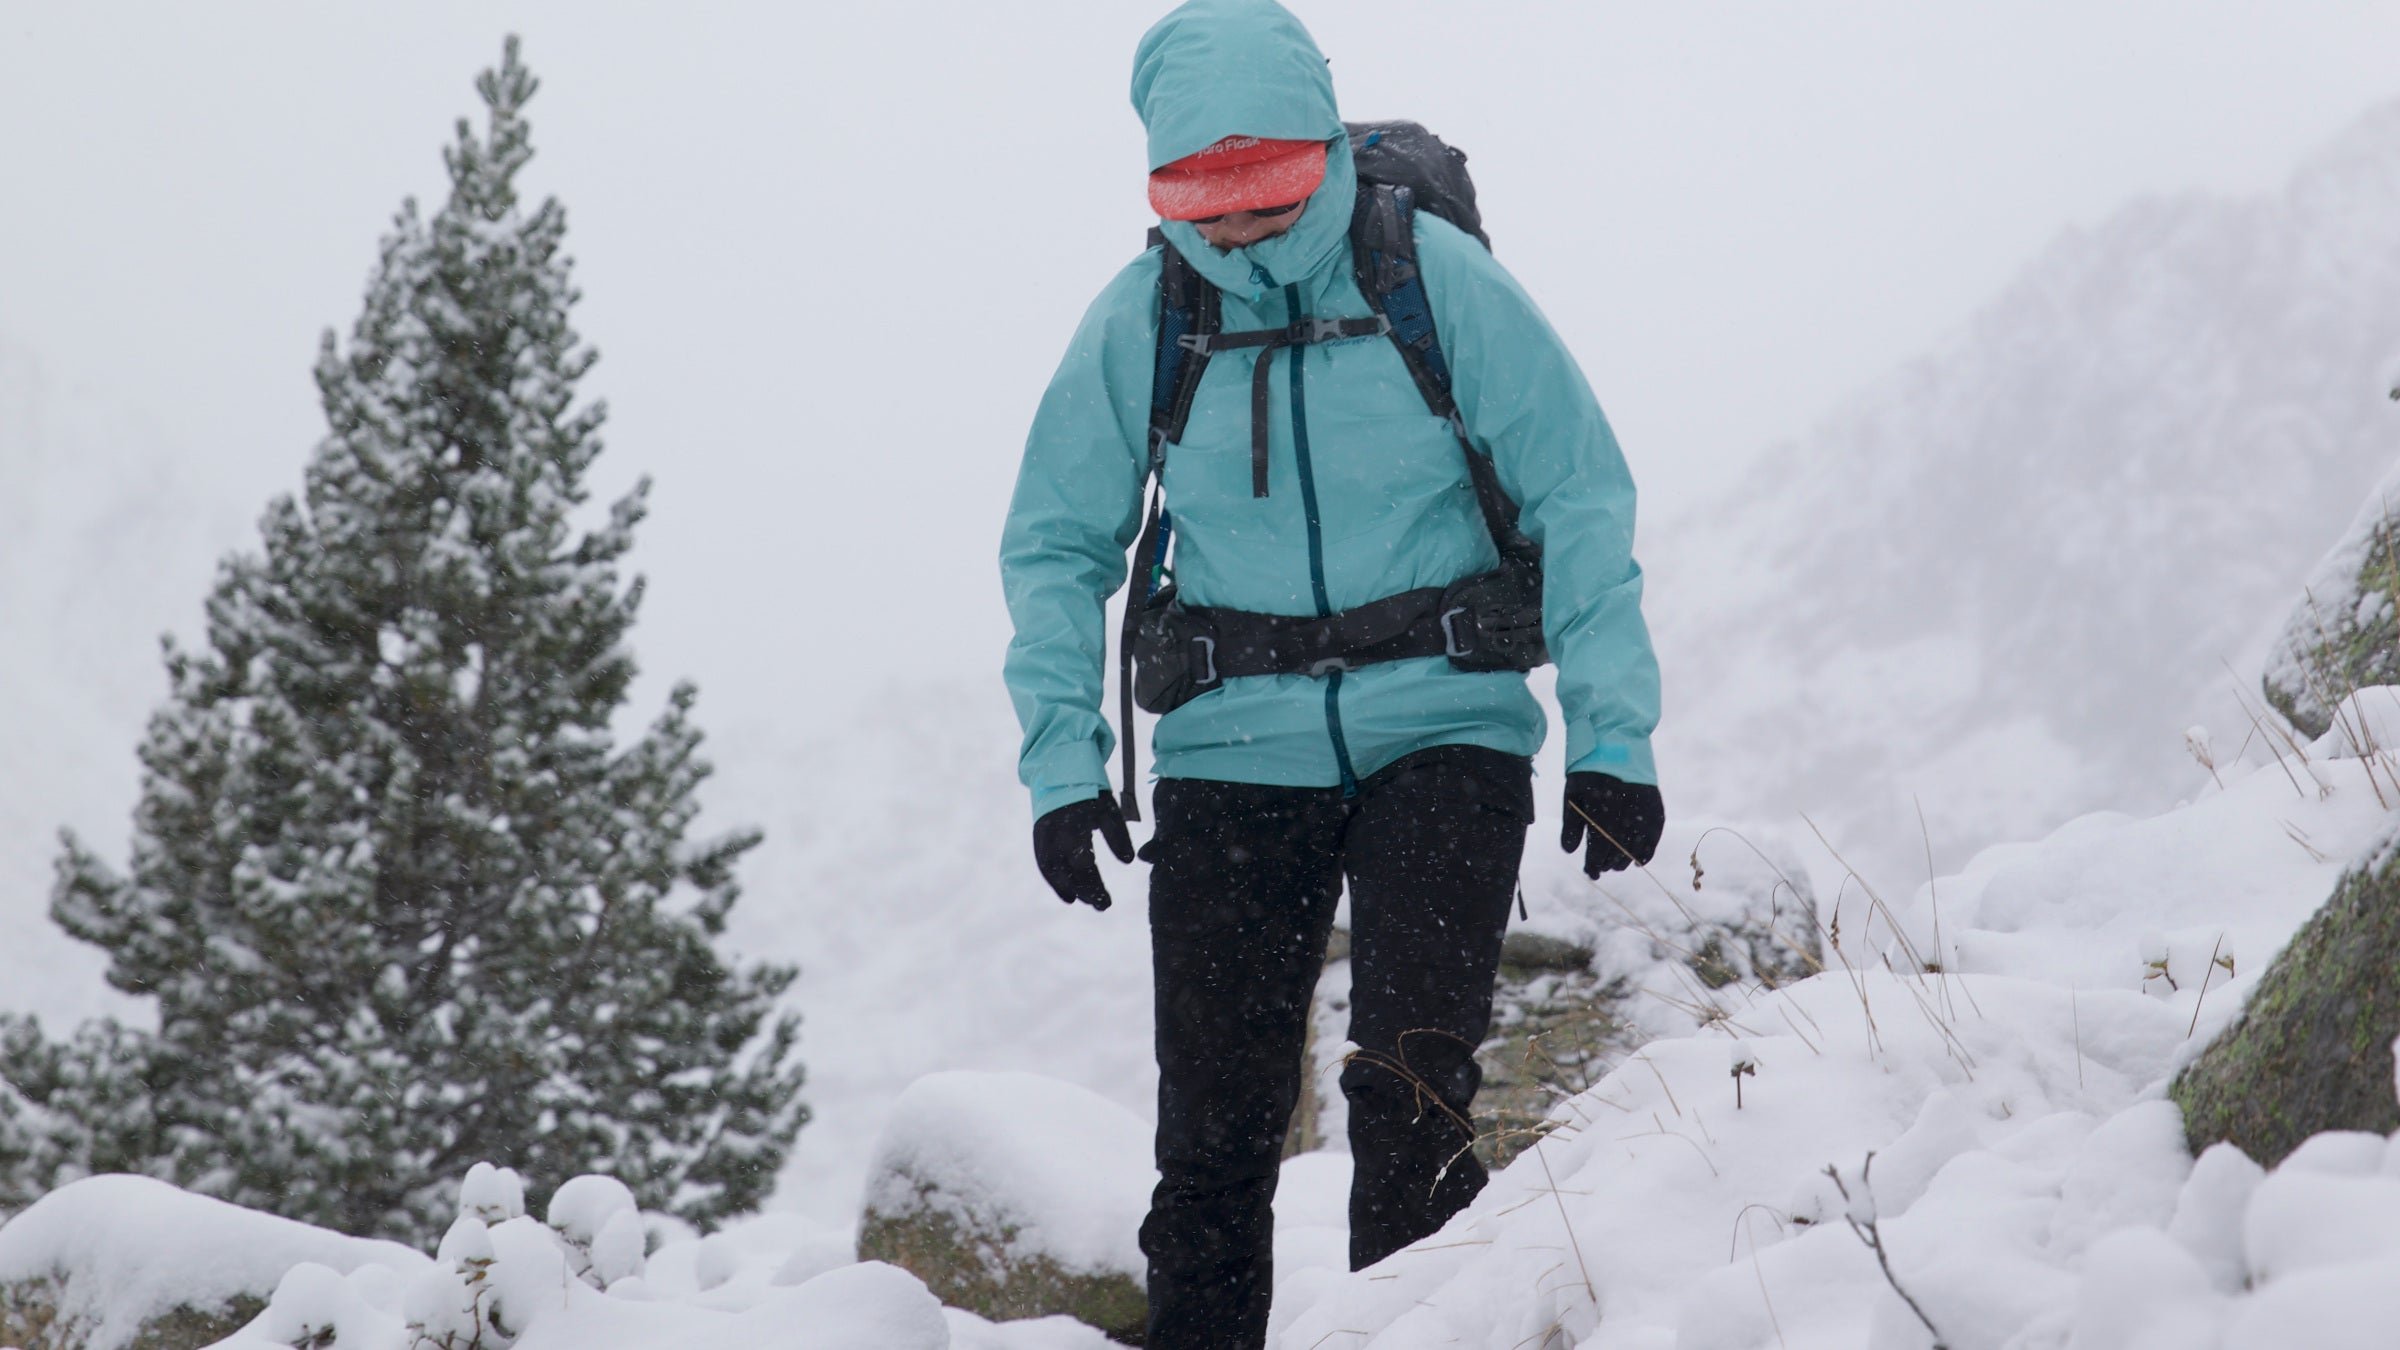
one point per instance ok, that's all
(1239, 229)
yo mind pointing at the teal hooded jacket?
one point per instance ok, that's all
(1368, 494)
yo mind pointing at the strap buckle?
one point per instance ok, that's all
(1208, 658)
(1329, 665)
(1195, 343)
(1450, 643)
(1336, 330)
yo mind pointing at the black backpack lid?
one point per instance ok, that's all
(1405, 154)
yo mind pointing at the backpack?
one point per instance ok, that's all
(1403, 154)
(1170, 653)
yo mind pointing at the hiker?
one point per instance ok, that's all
(1389, 493)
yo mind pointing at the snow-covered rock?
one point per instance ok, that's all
(1014, 1195)
(602, 1226)
(1723, 904)
(2313, 1049)
(2343, 632)
(103, 1263)
(503, 1280)
(1595, 968)
(315, 1305)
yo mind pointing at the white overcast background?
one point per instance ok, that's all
(831, 252)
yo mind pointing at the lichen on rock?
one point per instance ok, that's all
(2312, 1049)
(1012, 1196)
(31, 1318)
(2343, 633)
(1555, 1033)
(1598, 967)
(987, 1270)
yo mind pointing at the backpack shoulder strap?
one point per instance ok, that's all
(1383, 248)
(1188, 315)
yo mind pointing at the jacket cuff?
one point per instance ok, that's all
(1076, 774)
(1627, 761)
(1049, 799)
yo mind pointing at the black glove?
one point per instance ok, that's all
(1625, 820)
(1062, 848)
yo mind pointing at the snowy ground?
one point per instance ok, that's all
(2028, 1184)
(1996, 1125)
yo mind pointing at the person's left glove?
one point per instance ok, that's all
(1624, 820)
(1062, 847)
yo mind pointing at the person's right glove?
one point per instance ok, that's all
(1062, 847)
(1624, 819)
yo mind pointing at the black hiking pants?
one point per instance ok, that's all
(1242, 892)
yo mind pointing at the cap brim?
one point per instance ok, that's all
(1240, 187)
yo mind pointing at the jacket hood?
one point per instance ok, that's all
(1218, 68)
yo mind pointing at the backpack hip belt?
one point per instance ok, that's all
(1491, 621)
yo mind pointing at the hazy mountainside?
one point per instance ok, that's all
(101, 550)
(2004, 580)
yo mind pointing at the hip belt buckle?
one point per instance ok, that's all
(1208, 659)
(1450, 642)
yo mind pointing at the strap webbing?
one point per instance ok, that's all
(1267, 341)
(1149, 556)
(1298, 334)
(1262, 371)
(1394, 628)
(1384, 254)
(1187, 318)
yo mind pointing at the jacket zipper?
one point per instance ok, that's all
(1316, 541)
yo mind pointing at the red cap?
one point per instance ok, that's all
(1239, 173)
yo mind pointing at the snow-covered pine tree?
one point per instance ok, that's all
(402, 901)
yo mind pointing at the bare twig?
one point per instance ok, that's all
(1871, 1233)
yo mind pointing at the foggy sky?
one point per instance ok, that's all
(832, 253)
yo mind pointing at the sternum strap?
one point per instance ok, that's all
(1299, 333)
